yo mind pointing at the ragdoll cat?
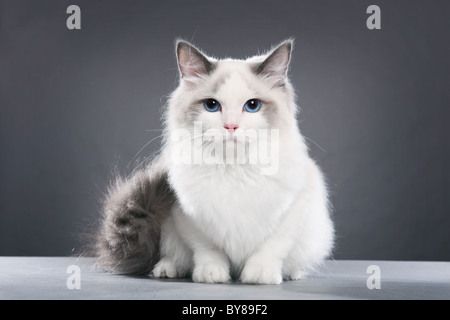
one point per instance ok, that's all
(204, 210)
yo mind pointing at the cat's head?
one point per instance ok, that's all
(233, 95)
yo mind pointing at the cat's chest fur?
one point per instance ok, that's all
(234, 205)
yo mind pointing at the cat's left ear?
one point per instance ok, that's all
(275, 66)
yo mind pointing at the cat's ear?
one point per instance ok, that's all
(275, 66)
(191, 62)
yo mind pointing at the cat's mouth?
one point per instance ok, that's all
(225, 139)
(231, 136)
(238, 137)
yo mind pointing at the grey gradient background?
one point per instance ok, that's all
(73, 104)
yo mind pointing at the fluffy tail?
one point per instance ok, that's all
(129, 236)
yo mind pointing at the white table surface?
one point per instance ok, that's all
(46, 278)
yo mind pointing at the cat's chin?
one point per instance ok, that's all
(232, 138)
(235, 142)
(238, 138)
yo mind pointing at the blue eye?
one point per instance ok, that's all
(252, 105)
(211, 105)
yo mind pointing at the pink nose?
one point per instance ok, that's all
(231, 127)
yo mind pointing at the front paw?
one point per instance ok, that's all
(260, 272)
(165, 268)
(211, 272)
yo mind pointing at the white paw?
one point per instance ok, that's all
(294, 275)
(261, 273)
(211, 272)
(165, 268)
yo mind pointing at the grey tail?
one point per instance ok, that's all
(132, 210)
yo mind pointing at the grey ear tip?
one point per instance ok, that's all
(285, 45)
(180, 43)
(289, 43)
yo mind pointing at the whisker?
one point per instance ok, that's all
(144, 162)
(318, 145)
(140, 150)
(151, 130)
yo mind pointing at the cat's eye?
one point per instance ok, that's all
(211, 105)
(252, 105)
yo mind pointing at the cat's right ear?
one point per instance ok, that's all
(191, 62)
(276, 64)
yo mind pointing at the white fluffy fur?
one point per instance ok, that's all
(230, 220)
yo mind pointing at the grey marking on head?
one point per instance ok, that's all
(270, 111)
(219, 82)
(192, 112)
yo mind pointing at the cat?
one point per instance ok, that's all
(199, 210)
